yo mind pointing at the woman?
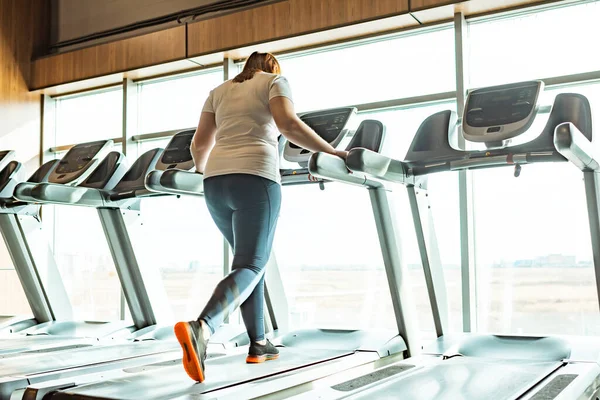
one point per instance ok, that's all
(236, 148)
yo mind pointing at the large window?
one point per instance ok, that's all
(12, 299)
(401, 126)
(79, 244)
(535, 45)
(409, 65)
(533, 250)
(89, 117)
(328, 253)
(534, 272)
(177, 237)
(85, 263)
(175, 103)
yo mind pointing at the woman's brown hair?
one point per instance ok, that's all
(265, 62)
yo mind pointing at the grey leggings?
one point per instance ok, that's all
(245, 208)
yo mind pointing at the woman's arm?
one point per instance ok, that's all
(204, 140)
(297, 131)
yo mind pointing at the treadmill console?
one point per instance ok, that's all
(79, 162)
(496, 114)
(177, 153)
(331, 125)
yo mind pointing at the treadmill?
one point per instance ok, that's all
(154, 345)
(109, 186)
(498, 123)
(52, 327)
(10, 323)
(306, 355)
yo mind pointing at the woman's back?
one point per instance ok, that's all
(246, 137)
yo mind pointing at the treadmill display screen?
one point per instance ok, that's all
(78, 157)
(178, 150)
(500, 107)
(326, 125)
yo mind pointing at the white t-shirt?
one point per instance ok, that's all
(246, 137)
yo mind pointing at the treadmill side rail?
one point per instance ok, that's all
(72, 195)
(23, 192)
(152, 181)
(377, 166)
(182, 182)
(330, 167)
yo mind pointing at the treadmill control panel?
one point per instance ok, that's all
(496, 114)
(79, 162)
(331, 125)
(177, 153)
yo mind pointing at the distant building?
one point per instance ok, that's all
(555, 260)
(523, 264)
(550, 260)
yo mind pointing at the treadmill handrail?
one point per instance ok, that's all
(57, 193)
(377, 166)
(176, 181)
(330, 167)
(575, 147)
(152, 181)
(23, 192)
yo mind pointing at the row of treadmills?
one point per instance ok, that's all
(53, 357)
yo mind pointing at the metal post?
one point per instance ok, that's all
(226, 258)
(129, 129)
(228, 72)
(48, 125)
(130, 114)
(434, 279)
(132, 282)
(394, 268)
(593, 207)
(275, 298)
(226, 267)
(469, 287)
(229, 69)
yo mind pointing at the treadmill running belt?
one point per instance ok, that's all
(34, 364)
(465, 379)
(10, 346)
(221, 372)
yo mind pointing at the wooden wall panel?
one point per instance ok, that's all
(280, 26)
(23, 26)
(21, 23)
(128, 54)
(418, 5)
(284, 19)
(315, 15)
(250, 26)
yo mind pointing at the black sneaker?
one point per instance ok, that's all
(260, 353)
(189, 335)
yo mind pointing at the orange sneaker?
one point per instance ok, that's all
(189, 335)
(260, 353)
